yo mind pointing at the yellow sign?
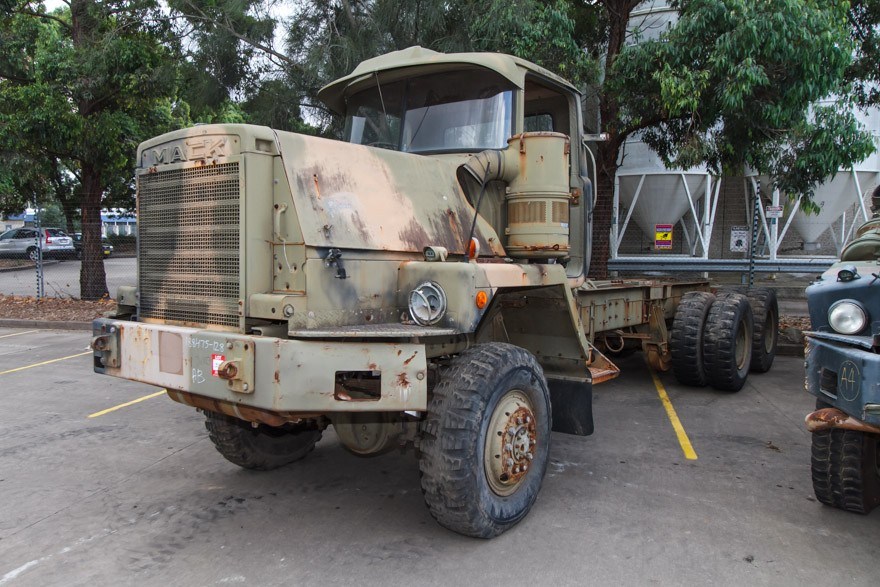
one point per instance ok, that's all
(662, 237)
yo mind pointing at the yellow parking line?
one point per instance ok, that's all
(683, 439)
(17, 333)
(44, 363)
(126, 404)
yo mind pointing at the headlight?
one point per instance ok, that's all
(847, 317)
(427, 303)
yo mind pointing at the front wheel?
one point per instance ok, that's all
(845, 467)
(262, 448)
(486, 440)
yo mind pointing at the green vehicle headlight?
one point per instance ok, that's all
(847, 317)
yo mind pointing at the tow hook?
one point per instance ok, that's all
(105, 344)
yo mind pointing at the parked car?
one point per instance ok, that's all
(27, 241)
(78, 245)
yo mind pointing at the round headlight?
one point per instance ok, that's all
(427, 303)
(847, 317)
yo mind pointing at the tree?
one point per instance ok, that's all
(864, 72)
(79, 89)
(730, 85)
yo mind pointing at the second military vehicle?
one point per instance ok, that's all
(843, 372)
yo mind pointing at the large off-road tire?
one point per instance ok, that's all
(845, 467)
(765, 309)
(486, 440)
(686, 339)
(262, 448)
(727, 342)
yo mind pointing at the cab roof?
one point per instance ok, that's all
(512, 68)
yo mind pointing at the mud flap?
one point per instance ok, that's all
(572, 405)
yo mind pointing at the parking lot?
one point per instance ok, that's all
(106, 482)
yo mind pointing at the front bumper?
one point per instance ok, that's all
(844, 376)
(271, 375)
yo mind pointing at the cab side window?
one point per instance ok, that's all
(546, 109)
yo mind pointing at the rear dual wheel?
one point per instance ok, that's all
(711, 340)
(727, 342)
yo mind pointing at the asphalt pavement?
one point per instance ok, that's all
(108, 482)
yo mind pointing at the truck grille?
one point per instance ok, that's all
(188, 245)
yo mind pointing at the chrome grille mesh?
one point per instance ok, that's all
(188, 245)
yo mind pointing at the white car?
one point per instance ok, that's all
(27, 242)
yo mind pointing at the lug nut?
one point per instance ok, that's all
(508, 447)
(525, 467)
(509, 462)
(529, 456)
(511, 431)
(528, 420)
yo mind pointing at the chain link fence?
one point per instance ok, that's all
(48, 262)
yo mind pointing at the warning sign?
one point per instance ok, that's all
(662, 237)
(739, 239)
(773, 211)
(216, 361)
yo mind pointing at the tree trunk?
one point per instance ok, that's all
(602, 214)
(609, 111)
(92, 278)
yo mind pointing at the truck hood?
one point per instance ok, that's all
(356, 197)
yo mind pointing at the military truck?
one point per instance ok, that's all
(843, 372)
(422, 282)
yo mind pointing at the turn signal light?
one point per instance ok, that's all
(482, 299)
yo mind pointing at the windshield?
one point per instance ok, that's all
(447, 112)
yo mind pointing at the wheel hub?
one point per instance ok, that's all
(511, 443)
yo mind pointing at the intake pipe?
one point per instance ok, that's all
(535, 166)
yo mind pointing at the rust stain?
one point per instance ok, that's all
(317, 187)
(415, 235)
(409, 360)
(399, 351)
(277, 376)
(371, 366)
(402, 380)
(828, 418)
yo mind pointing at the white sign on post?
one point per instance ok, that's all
(773, 211)
(739, 239)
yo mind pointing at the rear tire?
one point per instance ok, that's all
(33, 254)
(486, 440)
(686, 339)
(845, 467)
(727, 342)
(765, 309)
(262, 448)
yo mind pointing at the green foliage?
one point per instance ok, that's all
(541, 33)
(52, 216)
(864, 72)
(732, 85)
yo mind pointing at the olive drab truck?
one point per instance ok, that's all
(422, 282)
(843, 372)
